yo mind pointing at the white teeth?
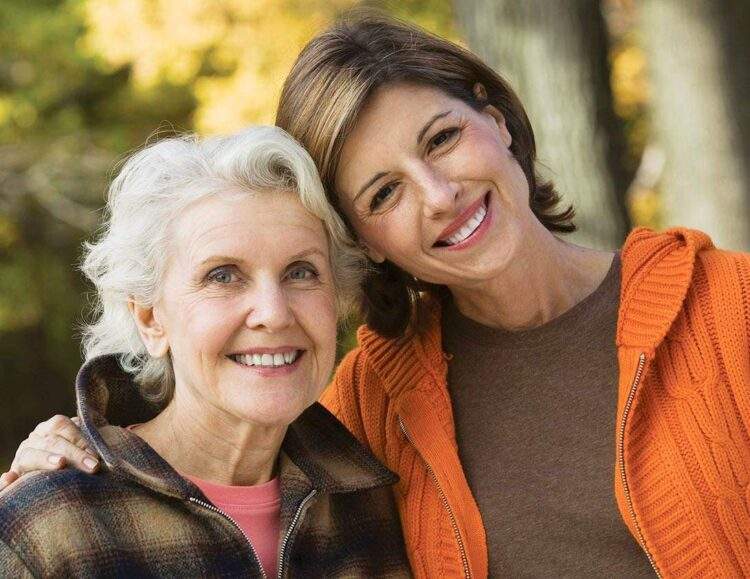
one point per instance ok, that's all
(468, 228)
(267, 360)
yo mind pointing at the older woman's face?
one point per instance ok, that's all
(430, 184)
(248, 306)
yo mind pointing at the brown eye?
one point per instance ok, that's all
(382, 195)
(443, 137)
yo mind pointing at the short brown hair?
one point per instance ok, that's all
(329, 86)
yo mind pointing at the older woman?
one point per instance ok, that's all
(551, 409)
(219, 274)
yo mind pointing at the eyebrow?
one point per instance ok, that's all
(420, 136)
(229, 259)
(366, 186)
(308, 253)
(429, 123)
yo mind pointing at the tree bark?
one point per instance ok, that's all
(554, 54)
(699, 62)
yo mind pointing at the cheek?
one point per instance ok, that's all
(316, 315)
(205, 327)
(395, 232)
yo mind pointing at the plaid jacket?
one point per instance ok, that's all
(139, 518)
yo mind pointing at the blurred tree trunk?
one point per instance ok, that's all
(554, 54)
(699, 61)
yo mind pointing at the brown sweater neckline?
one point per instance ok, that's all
(588, 310)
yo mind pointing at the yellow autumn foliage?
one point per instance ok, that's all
(235, 53)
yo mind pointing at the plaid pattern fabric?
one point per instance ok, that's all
(139, 518)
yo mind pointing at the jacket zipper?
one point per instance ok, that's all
(214, 509)
(621, 452)
(446, 505)
(295, 520)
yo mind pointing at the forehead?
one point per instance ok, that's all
(262, 223)
(397, 107)
(387, 126)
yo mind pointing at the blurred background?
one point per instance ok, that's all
(641, 110)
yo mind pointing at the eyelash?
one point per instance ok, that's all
(450, 133)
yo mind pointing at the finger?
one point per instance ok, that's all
(56, 453)
(7, 479)
(29, 459)
(64, 427)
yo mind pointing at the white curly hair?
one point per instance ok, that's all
(127, 260)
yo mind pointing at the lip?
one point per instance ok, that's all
(459, 221)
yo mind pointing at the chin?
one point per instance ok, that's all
(274, 410)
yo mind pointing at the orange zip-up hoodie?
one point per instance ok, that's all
(682, 441)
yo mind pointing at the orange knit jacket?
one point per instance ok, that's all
(682, 441)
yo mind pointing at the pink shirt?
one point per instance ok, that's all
(256, 509)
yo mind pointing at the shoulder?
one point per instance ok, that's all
(721, 287)
(354, 386)
(41, 504)
(50, 485)
(368, 381)
(384, 362)
(53, 486)
(39, 514)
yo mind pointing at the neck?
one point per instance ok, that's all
(542, 281)
(212, 446)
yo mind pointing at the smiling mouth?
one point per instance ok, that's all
(276, 360)
(468, 228)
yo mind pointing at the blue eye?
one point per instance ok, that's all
(382, 195)
(303, 272)
(221, 275)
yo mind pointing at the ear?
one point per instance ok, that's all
(373, 254)
(499, 120)
(480, 93)
(150, 329)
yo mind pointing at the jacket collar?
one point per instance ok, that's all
(657, 269)
(317, 447)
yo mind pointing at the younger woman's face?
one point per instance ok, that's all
(430, 184)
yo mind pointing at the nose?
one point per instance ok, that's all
(439, 191)
(269, 308)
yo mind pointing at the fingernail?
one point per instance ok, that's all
(90, 463)
(55, 459)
